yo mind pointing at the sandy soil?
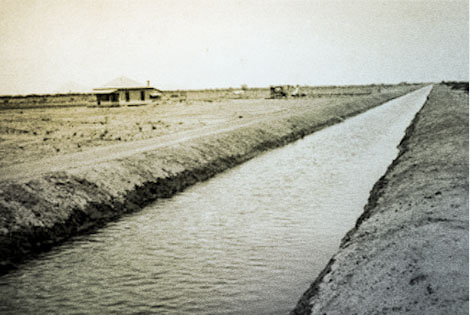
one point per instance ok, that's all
(408, 253)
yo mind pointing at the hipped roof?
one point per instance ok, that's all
(123, 83)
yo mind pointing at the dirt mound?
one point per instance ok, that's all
(463, 86)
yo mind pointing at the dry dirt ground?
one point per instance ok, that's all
(29, 134)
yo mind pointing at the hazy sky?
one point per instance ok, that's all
(204, 44)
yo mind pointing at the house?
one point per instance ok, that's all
(124, 91)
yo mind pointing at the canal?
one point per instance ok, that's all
(249, 241)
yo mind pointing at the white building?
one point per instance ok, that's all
(124, 91)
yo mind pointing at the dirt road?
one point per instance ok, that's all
(102, 154)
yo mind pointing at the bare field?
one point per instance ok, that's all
(29, 134)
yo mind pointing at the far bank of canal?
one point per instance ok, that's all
(241, 243)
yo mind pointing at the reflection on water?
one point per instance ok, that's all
(248, 241)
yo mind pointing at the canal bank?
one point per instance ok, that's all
(408, 252)
(43, 208)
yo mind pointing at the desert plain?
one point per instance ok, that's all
(39, 129)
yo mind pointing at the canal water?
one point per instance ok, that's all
(249, 241)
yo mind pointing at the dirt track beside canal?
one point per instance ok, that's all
(408, 253)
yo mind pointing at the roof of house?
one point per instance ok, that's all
(104, 91)
(123, 83)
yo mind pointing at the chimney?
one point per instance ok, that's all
(148, 83)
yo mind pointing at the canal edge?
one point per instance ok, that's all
(408, 251)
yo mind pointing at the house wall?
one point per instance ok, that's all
(134, 97)
(106, 100)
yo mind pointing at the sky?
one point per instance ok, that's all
(193, 44)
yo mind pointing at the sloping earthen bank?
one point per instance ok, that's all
(408, 253)
(36, 213)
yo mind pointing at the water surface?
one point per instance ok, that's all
(249, 241)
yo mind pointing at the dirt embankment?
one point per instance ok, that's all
(408, 252)
(46, 208)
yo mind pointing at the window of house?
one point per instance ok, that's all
(127, 96)
(142, 95)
